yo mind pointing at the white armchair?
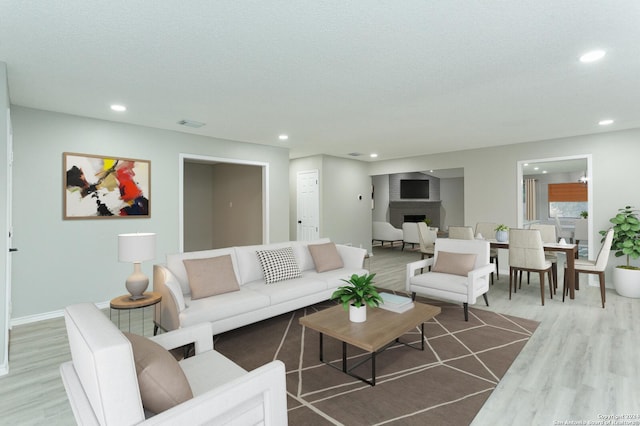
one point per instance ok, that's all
(460, 271)
(385, 232)
(102, 385)
(410, 234)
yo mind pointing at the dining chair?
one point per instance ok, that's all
(581, 231)
(487, 231)
(461, 232)
(562, 232)
(593, 266)
(427, 239)
(527, 254)
(548, 234)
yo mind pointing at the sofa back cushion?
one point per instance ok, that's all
(248, 265)
(303, 256)
(176, 265)
(104, 364)
(211, 276)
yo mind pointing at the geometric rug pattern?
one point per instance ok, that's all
(446, 384)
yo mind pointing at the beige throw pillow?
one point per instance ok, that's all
(325, 257)
(454, 263)
(211, 276)
(162, 382)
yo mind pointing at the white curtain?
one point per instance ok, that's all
(530, 199)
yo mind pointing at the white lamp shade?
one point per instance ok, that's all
(136, 248)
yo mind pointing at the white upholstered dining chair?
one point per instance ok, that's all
(593, 266)
(548, 235)
(487, 231)
(526, 253)
(461, 232)
(427, 239)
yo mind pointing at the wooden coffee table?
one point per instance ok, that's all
(381, 329)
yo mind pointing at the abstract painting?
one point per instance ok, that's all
(98, 186)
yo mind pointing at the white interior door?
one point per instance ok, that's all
(308, 206)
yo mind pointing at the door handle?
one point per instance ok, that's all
(11, 250)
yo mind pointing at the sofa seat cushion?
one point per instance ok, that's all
(222, 306)
(447, 282)
(285, 291)
(162, 382)
(333, 279)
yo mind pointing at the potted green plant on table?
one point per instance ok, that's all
(584, 214)
(502, 233)
(626, 242)
(357, 295)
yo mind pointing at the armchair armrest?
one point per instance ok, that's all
(413, 267)
(258, 397)
(200, 334)
(474, 275)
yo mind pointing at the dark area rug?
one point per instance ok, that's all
(446, 384)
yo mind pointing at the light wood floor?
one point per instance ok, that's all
(581, 363)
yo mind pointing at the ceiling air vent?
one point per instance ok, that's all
(191, 123)
(355, 154)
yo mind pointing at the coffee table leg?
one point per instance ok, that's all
(321, 349)
(344, 357)
(422, 328)
(373, 369)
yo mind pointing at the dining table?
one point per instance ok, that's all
(570, 250)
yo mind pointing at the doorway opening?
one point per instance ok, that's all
(222, 202)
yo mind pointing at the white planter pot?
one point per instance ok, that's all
(358, 314)
(502, 236)
(627, 282)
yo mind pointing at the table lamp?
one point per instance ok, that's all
(136, 248)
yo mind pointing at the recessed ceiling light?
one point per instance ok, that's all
(373, 155)
(283, 137)
(526, 164)
(544, 171)
(536, 168)
(118, 108)
(592, 56)
(605, 122)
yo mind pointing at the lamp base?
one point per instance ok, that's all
(137, 283)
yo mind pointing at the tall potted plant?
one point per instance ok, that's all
(357, 295)
(626, 242)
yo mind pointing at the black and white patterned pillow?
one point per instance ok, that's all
(278, 264)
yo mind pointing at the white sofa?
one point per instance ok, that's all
(104, 388)
(256, 300)
(384, 231)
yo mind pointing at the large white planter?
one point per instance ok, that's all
(627, 282)
(358, 314)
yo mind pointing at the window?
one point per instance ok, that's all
(567, 199)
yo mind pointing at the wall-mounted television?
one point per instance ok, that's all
(414, 188)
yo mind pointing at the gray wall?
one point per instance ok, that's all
(452, 206)
(237, 205)
(4, 111)
(198, 202)
(381, 198)
(64, 262)
(490, 187)
(343, 217)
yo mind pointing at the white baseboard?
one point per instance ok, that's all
(4, 368)
(48, 315)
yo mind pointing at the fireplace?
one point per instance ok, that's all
(414, 211)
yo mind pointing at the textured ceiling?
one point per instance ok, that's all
(396, 78)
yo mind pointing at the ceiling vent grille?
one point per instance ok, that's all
(191, 123)
(355, 154)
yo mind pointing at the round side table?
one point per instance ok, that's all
(124, 302)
